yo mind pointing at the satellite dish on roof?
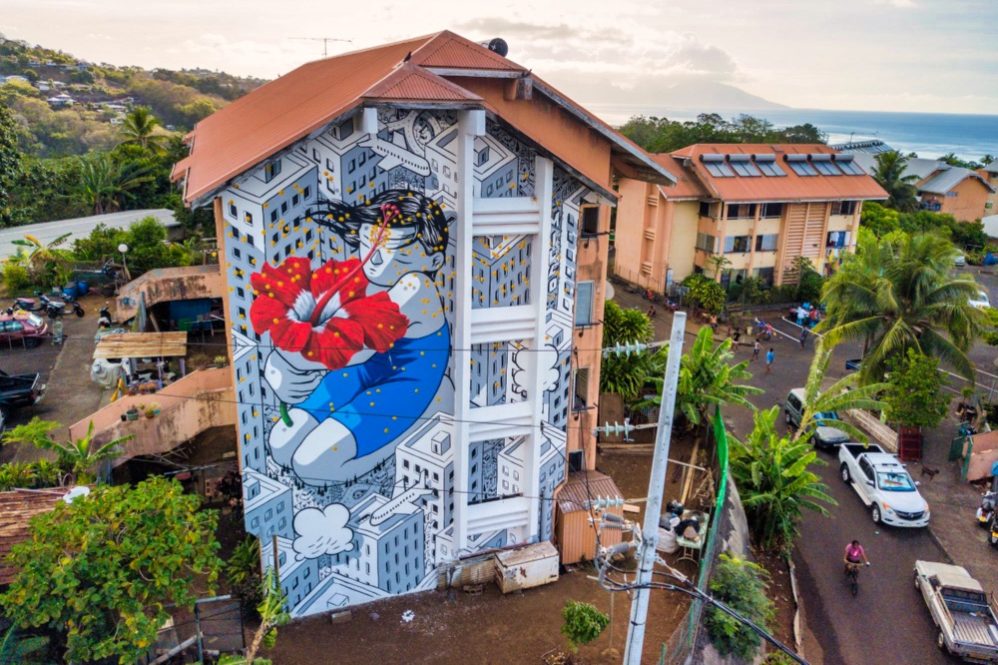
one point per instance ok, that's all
(499, 45)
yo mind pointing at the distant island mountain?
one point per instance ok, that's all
(705, 96)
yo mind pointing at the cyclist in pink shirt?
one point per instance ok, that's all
(854, 555)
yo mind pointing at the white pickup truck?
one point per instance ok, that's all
(883, 485)
(959, 608)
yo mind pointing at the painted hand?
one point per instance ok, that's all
(292, 377)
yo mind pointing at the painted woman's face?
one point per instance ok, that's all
(398, 253)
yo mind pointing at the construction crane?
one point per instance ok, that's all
(325, 42)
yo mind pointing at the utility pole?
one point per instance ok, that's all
(325, 42)
(656, 491)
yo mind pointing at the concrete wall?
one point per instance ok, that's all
(189, 406)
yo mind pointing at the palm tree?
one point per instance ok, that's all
(718, 262)
(139, 128)
(842, 395)
(897, 293)
(78, 457)
(890, 174)
(104, 184)
(987, 160)
(46, 262)
(707, 379)
(775, 482)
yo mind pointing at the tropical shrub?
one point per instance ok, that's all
(775, 482)
(741, 585)
(704, 293)
(915, 395)
(583, 623)
(627, 374)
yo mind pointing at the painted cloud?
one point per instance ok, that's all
(323, 531)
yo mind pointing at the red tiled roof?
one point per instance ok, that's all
(687, 186)
(790, 187)
(275, 115)
(16, 508)
(412, 83)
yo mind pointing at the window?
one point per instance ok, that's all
(743, 166)
(705, 209)
(482, 157)
(771, 210)
(273, 215)
(741, 210)
(271, 170)
(590, 220)
(767, 164)
(766, 242)
(295, 199)
(248, 218)
(716, 166)
(837, 239)
(584, 304)
(306, 193)
(706, 242)
(843, 207)
(765, 275)
(284, 207)
(737, 244)
(800, 165)
(581, 389)
(233, 213)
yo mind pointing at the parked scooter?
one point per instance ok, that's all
(56, 308)
(26, 304)
(993, 535)
(986, 511)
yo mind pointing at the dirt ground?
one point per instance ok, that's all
(491, 628)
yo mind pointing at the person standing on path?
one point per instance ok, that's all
(755, 350)
(803, 337)
(770, 357)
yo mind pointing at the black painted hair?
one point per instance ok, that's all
(414, 209)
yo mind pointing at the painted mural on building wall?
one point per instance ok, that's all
(341, 260)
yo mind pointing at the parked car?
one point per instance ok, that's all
(853, 364)
(23, 327)
(826, 435)
(980, 301)
(17, 390)
(959, 607)
(883, 484)
(960, 261)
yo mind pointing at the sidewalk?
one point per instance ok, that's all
(953, 503)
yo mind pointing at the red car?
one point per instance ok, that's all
(24, 328)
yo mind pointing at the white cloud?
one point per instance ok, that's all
(323, 531)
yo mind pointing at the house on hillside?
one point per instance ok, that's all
(414, 240)
(990, 174)
(955, 190)
(758, 206)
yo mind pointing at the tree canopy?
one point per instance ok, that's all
(915, 395)
(99, 573)
(663, 135)
(890, 173)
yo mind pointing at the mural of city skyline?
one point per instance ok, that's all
(340, 258)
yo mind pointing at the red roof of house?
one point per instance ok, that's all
(790, 187)
(275, 115)
(16, 508)
(687, 185)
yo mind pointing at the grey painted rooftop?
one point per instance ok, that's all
(79, 227)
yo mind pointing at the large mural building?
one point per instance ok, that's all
(401, 307)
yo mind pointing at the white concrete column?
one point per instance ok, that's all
(539, 261)
(470, 125)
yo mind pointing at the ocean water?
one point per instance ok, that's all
(928, 134)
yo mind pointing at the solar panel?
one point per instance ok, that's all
(826, 167)
(799, 165)
(770, 168)
(848, 166)
(745, 167)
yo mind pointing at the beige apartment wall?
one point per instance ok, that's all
(968, 204)
(593, 254)
(683, 239)
(840, 222)
(633, 216)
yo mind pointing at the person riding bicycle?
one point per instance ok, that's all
(854, 556)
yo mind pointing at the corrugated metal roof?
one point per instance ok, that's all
(946, 180)
(275, 115)
(16, 508)
(583, 486)
(790, 187)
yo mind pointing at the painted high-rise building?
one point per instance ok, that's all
(402, 254)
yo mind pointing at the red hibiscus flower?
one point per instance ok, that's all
(325, 315)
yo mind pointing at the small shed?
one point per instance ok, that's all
(527, 567)
(575, 533)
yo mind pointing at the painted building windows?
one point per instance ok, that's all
(584, 304)
(772, 210)
(741, 210)
(271, 170)
(765, 275)
(843, 207)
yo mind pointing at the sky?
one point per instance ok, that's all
(877, 55)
